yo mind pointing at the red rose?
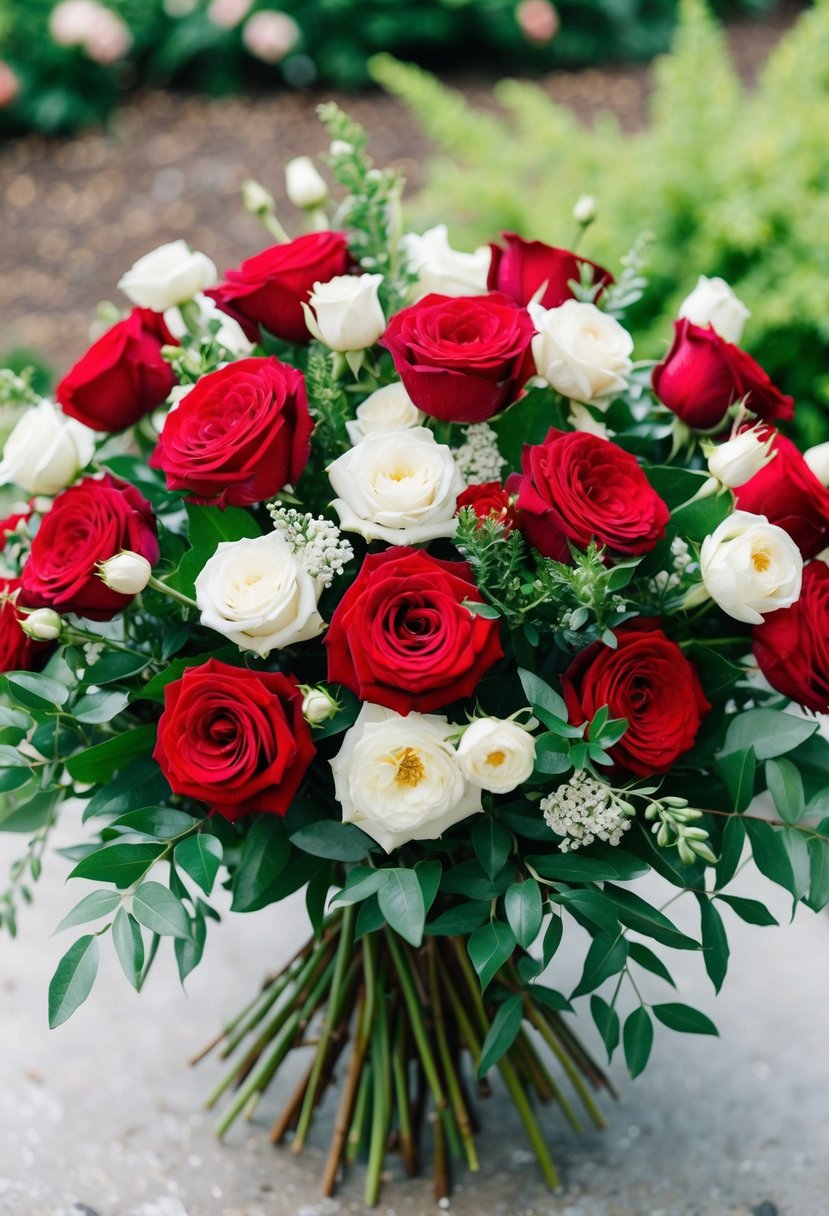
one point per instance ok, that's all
(489, 500)
(88, 523)
(18, 652)
(402, 638)
(524, 266)
(789, 494)
(702, 375)
(461, 358)
(269, 288)
(122, 376)
(576, 487)
(235, 739)
(792, 644)
(647, 680)
(239, 436)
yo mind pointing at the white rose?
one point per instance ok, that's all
(443, 269)
(257, 593)
(817, 458)
(750, 567)
(317, 705)
(304, 185)
(397, 486)
(496, 754)
(43, 624)
(169, 275)
(46, 450)
(345, 313)
(712, 302)
(388, 409)
(127, 573)
(228, 334)
(584, 210)
(398, 779)
(580, 351)
(736, 461)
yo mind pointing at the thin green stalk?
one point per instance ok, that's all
(355, 1136)
(455, 1095)
(400, 1065)
(381, 1086)
(567, 1064)
(536, 1068)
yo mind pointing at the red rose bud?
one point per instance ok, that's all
(523, 267)
(647, 680)
(122, 376)
(269, 289)
(792, 645)
(239, 436)
(402, 638)
(461, 358)
(88, 523)
(234, 739)
(17, 651)
(577, 488)
(789, 494)
(702, 375)
(489, 500)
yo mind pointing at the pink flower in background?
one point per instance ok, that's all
(538, 19)
(101, 32)
(228, 13)
(9, 84)
(270, 36)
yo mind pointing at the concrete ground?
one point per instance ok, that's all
(103, 1118)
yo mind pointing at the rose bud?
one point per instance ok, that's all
(713, 302)
(584, 211)
(318, 705)
(525, 268)
(345, 313)
(497, 755)
(741, 457)
(169, 275)
(42, 624)
(304, 185)
(45, 451)
(817, 458)
(127, 573)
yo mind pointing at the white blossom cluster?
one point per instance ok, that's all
(478, 458)
(583, 810)
(669, 580)
(317, 542)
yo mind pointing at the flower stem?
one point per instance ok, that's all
(381, 1095)
(158, 585)
(453, 1085)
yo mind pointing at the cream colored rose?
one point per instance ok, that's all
(317, 705)
(210, 321)
(42, 624)
(256, 593)
(442, 269)
(344, 313)
(713, 302)
(169, 275)
(581, 352)
(388, 409)
(495, 754)
(127, 573)
(46, 450)
(397, 486)
(399, 780)
(304, 184)
(750, 567)
(739, 458)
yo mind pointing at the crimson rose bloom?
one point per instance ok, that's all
(461, 358)
(17, 651)
(235, 739)
(269, 288)
(520, 269)
(122, 376)
(647, 680)
(401, 637)
(489, 500)
(88, 523)
(789, 494)
(239, 436)
(578, 487)
(702, 375)
(792, 644)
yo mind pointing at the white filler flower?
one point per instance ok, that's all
(580, 351)
(583, 810)
(46, 450)
(388, 409)
(496, 754)
(398, 779)
(442, 269)
(169, 275)
(713, 302)
(345, 313)
(750, 567)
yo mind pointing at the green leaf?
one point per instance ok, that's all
(605, 957)
(401, 902)
(715, 950)
(786, 788)
(129, 946)
(429, 875)
(699, 519)
(737, 770)
(731, 850)
(749, 910)
(115, 665)
(614, 865)
(492, 844)
(607, 1023)
(189, 950)
(797, 850)
(768, 731)
(360, 883)
(98, 707)
(207, 528)
(489, 948)
(31, 814)
(73, 979)
(460, 921)
(501, 1034)
(638, 1040)
(162, 822)
(684, 1019)
(369, 917)
(551, 940)
(469, 879)
(673, 484)
(818, 896)
(14, 719)
(156, 908)
(120, 864)
(638, 914)
(263, 857)
(36, 691)
(91, 907)
(333, 840)
(14, 779)
(10, 757)
(523, 906)
(540, 694)
(550, 998)
(200, 856)
(139, 784)
(770, 855)
(645, 957)
(592, 905)
(98, 763)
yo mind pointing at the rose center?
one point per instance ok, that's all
(410, 770)
(496, 759)
(760, 560)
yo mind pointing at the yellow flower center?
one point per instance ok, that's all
(496, 759)
(760, 560)
(410, 770)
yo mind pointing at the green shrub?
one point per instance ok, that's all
(728, 181)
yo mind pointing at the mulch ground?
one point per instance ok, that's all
(75, 213)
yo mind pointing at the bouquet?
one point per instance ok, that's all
(383, 571)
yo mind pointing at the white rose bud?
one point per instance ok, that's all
(713, 302)
(318, 705)
(42, 624)
(304, 185)
(256, 199)
(344, 313)
(388, 409)
(441, 268)
(397, 486)
(127, 573)
(170, 275)
(497, 755)
(257, 593)
(750, 567)
(398, 779)
(228, 334)
(736, 461)
(46, 450)
(581, 352)
(584, 211)
(817, 458)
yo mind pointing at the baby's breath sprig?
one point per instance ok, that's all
(478, 458)
(316, 541)
(585, 809)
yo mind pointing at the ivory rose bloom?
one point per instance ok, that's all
(750, 567)
(497, 755)
(713, 302)
(46, 450)
(397, 486)
(398, 779)
(388, 409)
(442, 269)
(345, 313)
(169, 275)
(257, 593)
(741, 457)
(580, 351)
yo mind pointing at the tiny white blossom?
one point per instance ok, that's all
(478, 458)
(583, 810)
(316, 541)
